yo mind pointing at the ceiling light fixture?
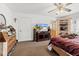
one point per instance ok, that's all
(60, 8)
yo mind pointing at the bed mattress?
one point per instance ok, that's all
(69, 45)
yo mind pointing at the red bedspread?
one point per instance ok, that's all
(69, 45)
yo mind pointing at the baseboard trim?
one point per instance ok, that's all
(25, 40)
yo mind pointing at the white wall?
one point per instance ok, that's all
(75, 26)
(7, 13)
(30, 19)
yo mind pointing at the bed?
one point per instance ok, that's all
(66, 46)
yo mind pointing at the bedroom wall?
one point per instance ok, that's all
(7, 13)
(30, 19)
(75, 23)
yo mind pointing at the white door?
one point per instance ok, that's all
(24, 30)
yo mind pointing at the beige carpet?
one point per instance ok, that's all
(32, 49)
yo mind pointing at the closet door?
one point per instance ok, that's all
(24, 30)
(20, 30)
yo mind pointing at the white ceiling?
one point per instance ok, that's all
(40, 8)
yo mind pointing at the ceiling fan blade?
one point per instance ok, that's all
(68, 10)
(51, 10)
(68, 4)
(55, 4)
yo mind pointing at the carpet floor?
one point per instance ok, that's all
(33, 49)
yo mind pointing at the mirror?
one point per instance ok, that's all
(2, 20)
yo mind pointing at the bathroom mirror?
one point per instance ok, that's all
(2, 20)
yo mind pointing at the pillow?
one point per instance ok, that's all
(71, 37)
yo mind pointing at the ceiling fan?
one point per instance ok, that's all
(60, 7)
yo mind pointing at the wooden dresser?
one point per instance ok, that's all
(9, 41)
(41, 36)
